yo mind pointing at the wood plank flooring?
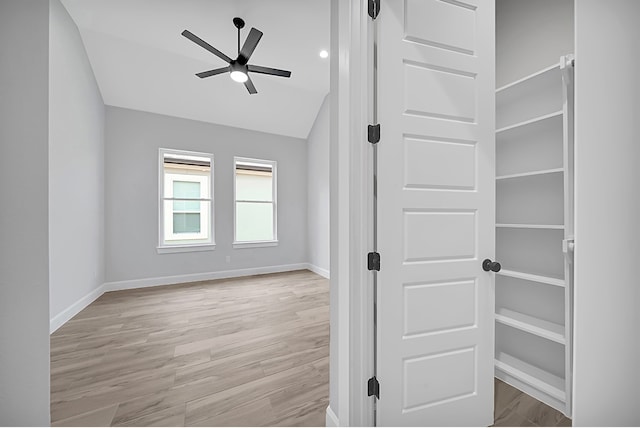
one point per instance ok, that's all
(245, 351)
(514, 408)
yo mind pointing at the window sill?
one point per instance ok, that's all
(185, 248)
(255, 244)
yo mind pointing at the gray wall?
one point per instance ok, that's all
(318, 189)
(607, 155)
(76, 167)
(24, 234)
(531, 35)
(131, 195)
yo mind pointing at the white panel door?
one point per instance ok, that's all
(436, 212)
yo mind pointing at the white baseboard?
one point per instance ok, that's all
(60, 319)
(331, 418)
(319, 271)
(73, 310)
(205, 276)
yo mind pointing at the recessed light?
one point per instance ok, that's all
(324, 54)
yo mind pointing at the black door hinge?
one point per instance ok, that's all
(373, 261)
(374, 8)
(373, 133)
(373, 387)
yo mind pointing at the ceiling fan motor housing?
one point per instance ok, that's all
(238, 66)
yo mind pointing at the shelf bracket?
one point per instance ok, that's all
(568, 246)
(567, 63)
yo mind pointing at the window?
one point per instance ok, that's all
(255, 210)
(186, 211)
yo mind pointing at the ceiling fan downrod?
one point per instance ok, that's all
(239, 23)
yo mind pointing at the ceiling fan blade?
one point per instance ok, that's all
(267, 70)
(197, 40)
(210, 73)
(249, 85)
(250, 44)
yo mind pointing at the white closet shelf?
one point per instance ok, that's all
(530, 226)
(531, 277)
(538, 74)
(529, 121)
(542, 127)
(529, 324)
(537, 378)
(531, 173)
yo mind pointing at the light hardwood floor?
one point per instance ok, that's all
(514, 408)
(247, 351)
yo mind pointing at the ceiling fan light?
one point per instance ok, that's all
(239, 76)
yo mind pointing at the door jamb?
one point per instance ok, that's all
(351, 201)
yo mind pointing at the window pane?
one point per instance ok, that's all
(188, 206)
(252, 186)
(254, 222)
(186, 223)
(186, 189)
(185, 226)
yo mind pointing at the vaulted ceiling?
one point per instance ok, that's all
(141, 61)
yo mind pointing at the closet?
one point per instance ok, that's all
(438, 210)
(534, 208)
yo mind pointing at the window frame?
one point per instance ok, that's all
(184, 246)
(274, 196)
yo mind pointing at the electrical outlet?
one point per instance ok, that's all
(228, 259)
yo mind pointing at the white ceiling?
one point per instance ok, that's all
(141, 61)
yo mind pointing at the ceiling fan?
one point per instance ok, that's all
(238, 68)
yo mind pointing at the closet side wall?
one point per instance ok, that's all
(531, 35)
(24, 224)
(607, 292)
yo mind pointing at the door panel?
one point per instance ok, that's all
(428, 23)
(453, 93)
(421, 302)
(444, 385)
(436, 212)
(453, 164)
(438, 235)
